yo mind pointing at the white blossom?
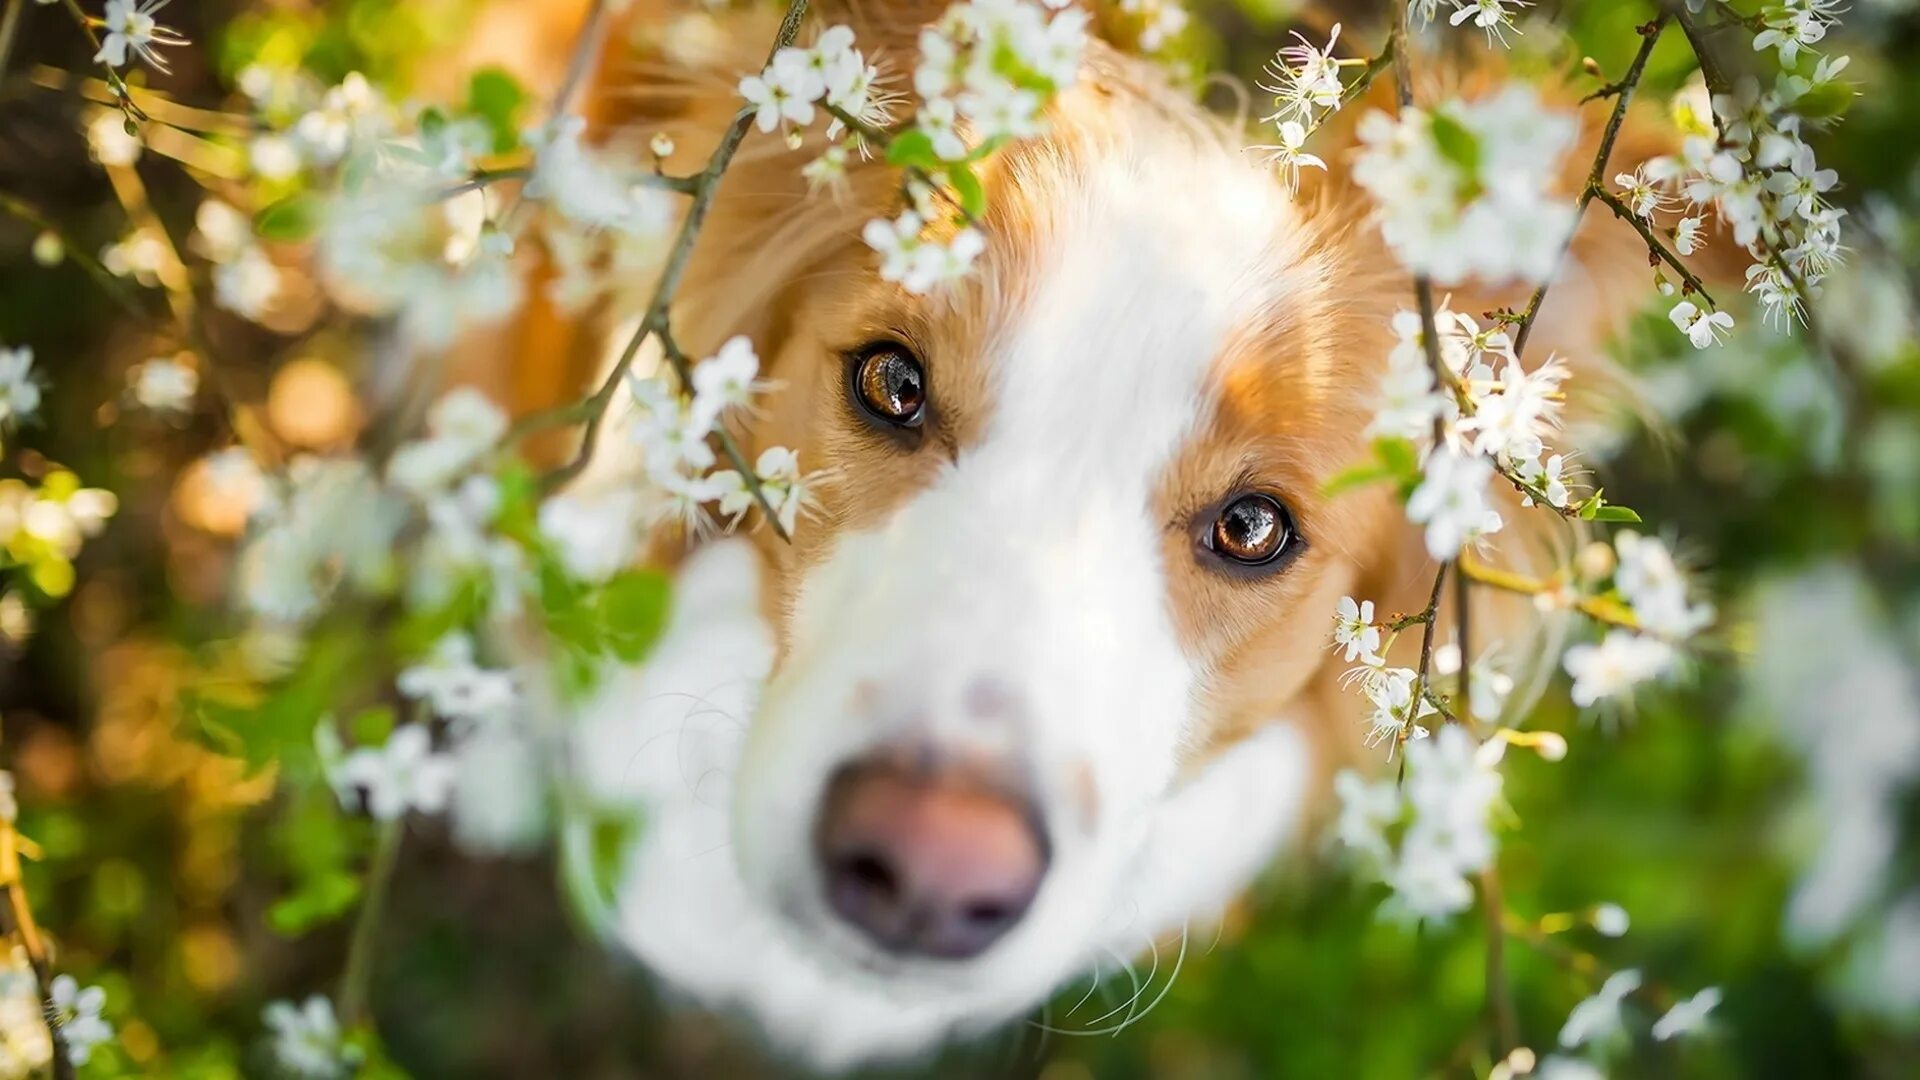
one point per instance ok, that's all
(455, 686)
(78, 1014)
(1703, 328)
(130, 27)
(594, 535)
(461, 427)
(109, 141)
(1478, 202)
(163, 385)
(306, 1038)
(918, 262)
(404, 774)
(1611, 669)
(1353, 628)
(19, 392)
(727, 380)
(1451, 501)
(1610, 920)
(1687, 1017)
(1598, 1018)
(589, 188)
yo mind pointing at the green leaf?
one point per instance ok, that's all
(913, 147)
(973, 197)
(1456, 143)
(1614, 513)
(496, 97)
(1394, 459)
(319, 899)
(633, 609)
(1355, 476)
(290, 219)
(1399, 455)
(372, 725)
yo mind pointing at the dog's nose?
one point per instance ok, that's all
(927, 862)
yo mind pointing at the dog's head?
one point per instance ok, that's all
(1072, 543)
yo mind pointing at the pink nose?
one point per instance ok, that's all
(933, 864)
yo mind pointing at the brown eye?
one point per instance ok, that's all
(1252, 530)
(890, 385)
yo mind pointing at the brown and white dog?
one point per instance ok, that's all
(1045, 677)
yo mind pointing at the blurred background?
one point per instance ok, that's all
(1760, 825)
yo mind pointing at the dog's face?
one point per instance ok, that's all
(1073, 543)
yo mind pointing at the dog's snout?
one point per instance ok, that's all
(932, 862)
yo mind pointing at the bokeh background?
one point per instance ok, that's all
(1760, 824)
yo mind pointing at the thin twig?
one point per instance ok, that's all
(1655, 246)
(1597, 608)
(1374, 67)
(655, 324)
(1499, 990)
(1650, 36)
(9, 28)
(16, 915)
(366, 925)
(109, 284)
(586, 50)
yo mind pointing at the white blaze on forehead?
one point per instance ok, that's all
(1145, 268)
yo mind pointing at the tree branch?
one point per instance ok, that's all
(594, 409)
(1650, 36)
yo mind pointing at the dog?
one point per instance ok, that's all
(1044, 677)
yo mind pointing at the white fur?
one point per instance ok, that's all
(1032, 564)
(667, 738)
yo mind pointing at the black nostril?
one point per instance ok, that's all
(987, 914)
(870, 872)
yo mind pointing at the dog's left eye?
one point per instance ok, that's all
(890, 385)
(1252, 530)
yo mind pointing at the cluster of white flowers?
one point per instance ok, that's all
(1160, 21)
(1463, 190)
(306, 1039)
(1794, 25)
(1398, 702)
(405, 773)
(26, 1046)
(455, 687)
(1442, 816)
(607, 226)
(672, 429)
(1599, 1019)
(918, 260)
(1760, 178)
(831, 73)
(328, 521)
(19, 389)
(997, 62)
(58, 514)
(1493, 414)
(164, 384)
(1306, 88)
(245, 279)
(986, 71)
(1648, 580)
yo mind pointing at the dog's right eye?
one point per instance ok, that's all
(889, 384)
